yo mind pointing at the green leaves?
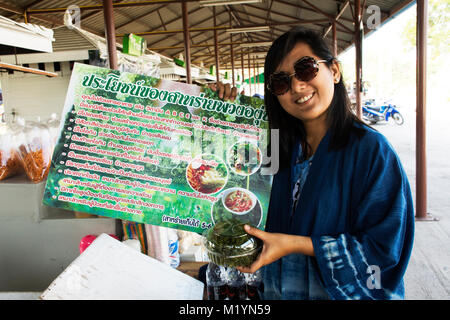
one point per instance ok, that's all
(228, 244)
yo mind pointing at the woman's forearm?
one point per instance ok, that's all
(299, 244)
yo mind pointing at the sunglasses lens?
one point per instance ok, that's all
(306, 69)
(279, 84)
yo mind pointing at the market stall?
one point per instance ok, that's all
(26, 101)
(26, 96)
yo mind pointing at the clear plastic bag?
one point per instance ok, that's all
(35, 150)
(9, 161)
(53, 127)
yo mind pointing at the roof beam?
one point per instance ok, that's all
(33, 4)
(326, 14)
(287, 23)
(338, 15)
(49, 20)
(138, 17)
(100, 7)
(173, 20)
(201, 45)
(94, 13)
(299, 6)
(27, 70)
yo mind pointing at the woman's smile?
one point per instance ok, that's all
(302, 100)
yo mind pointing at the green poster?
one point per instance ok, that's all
(160, 152)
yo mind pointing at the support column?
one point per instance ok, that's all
(108, 13)
(242, 67)
(335, 46)
(254, 75)
(232, 60)
(232, 55)
(187, 43)
(421, 102)
(249, 75)
(216, 46)
(257, 77)
(358, 54)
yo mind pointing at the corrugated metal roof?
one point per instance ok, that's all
(68, 39)
(154, 16)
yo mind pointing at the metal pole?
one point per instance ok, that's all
(216, 46)
(249, 75)
(257, 72)
(187, 44)
(421, 87)
(232, 53)
(232, 60)
(335, 50)
(108, 14)
(242, 68)
(358, 62)
(110, 29)
(254, 74)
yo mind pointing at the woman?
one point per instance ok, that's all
(341, 221)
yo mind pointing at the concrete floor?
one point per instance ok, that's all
(428, 274)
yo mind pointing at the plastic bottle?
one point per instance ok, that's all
(236, 284)
(174, 254)
(253, 282)
(216, 284)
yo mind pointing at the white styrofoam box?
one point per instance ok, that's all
(20, 295)
(110, 270)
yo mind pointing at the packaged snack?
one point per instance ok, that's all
(9, 160)
(35, 151)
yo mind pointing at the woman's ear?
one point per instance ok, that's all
(336, 71)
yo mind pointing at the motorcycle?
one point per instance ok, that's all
(376, 113)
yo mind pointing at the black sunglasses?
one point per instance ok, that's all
(305, 69)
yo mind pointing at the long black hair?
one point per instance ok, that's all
(340, 117)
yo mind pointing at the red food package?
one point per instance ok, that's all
(35, 151)
(9, 160)
(87, 240)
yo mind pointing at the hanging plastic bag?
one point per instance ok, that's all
(9, 160)
(35, 151)
(53, 128)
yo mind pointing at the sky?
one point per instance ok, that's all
(389, 65)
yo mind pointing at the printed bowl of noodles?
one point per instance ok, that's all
(238, 200)
(207, 174)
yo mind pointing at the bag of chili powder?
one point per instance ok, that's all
(9, 160)
(35, 151)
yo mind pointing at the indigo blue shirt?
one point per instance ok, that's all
(356, 206)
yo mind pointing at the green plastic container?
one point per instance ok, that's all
(228, 244)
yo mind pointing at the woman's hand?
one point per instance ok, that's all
(224, 90)
(276, 246)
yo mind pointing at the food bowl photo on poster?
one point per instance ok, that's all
(238, 200)
(220, 213)
(244, 158)
(207, 174)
